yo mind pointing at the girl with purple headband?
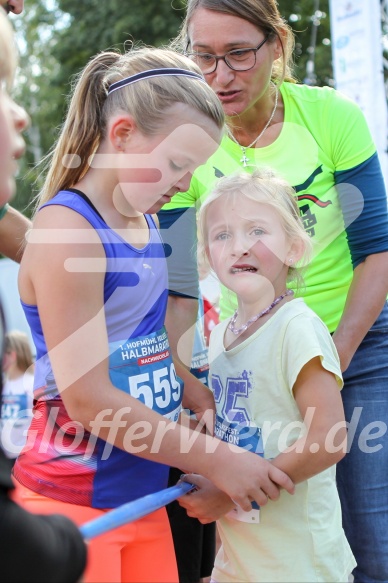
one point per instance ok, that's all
(93, 284)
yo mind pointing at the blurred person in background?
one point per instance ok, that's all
(17, 397)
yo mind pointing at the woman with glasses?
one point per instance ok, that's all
(319, 141)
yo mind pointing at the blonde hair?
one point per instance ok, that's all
(264, 14)
(8, 51)
(265, 187)
(18, 342)
(147, 101)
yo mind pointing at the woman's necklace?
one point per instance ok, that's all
(244, 158)
(233, 319)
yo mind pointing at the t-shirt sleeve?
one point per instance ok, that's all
(306, 338)
(363, 200)
(347, 135)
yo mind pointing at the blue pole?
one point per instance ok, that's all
(133, 510)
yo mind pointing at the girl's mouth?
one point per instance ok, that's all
(243, 268)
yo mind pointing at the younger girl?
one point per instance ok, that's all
(93, 284)
(273, 365)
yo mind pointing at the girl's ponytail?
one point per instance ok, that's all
(83, 129)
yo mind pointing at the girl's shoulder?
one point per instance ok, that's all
(306, 336)
(298, 314)
(75, 200)
(68, 210)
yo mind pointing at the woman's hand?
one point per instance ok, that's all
(207, 503)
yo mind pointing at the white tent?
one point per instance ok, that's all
(358, 63)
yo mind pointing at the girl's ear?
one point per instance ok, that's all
(295, 253)
(120, 130)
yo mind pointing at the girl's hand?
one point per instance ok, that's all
(245, 476)
(208, 503)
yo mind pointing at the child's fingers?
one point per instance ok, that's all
(195, 479)
(245, 502)
(282, 480)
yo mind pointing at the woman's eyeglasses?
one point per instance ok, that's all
(237, 59)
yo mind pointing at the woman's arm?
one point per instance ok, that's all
(363, 200)
(13, 229)
(319, 401)
(366, 298)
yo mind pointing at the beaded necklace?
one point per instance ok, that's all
(242, 328)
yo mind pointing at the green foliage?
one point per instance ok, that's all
(36, 90)
(304, 11)
(95, 26)
(57, 38)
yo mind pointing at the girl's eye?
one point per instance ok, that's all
(222, 236)
(175, 167)
(257, 232)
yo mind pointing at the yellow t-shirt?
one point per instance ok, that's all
(299, 537)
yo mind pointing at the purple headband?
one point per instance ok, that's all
(154, 73)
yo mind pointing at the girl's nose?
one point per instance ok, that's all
(184, 182)
(15, 6)
(20, 117)
(240, 247)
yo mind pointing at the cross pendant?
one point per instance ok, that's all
(244, 158)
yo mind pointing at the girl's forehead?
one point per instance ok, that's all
(236, 206)
(236, 201)
(182, 114)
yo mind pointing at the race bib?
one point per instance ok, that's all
(14, 407)
(143, 368)
(200, 366)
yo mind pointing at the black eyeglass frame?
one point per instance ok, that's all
(224, 57)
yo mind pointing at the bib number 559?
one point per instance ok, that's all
(158, 388)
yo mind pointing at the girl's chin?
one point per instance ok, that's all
(7, 191)
(250, 291)
(155, 208)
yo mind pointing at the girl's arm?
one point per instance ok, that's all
(318, 398)
(66, 281)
